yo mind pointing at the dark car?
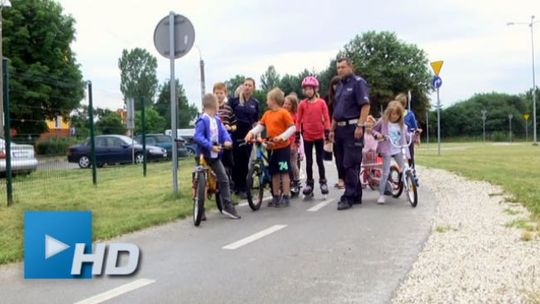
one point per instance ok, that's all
(189, 143)
(113, 149)
(165, 142)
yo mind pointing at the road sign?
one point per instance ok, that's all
(436, 82)
(526, 116)
(184, 36)
(436, 66)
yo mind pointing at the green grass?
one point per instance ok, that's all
(122, 202)
(515, 167)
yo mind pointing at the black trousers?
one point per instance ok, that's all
(339, 163)
(308, 150)
(349, 150)
(241, 156)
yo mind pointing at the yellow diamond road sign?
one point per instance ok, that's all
(526, 116)
(436, 66)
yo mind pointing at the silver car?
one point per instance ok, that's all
(23, 159)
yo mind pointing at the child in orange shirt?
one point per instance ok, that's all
(279, 127)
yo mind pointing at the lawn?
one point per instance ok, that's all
(123, 201)
(515, 167)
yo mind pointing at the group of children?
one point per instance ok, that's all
(284, 121)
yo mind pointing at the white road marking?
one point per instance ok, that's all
(115, 292)
(320, 205)
(254, 237)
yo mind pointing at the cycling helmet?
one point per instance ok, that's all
(310, 81)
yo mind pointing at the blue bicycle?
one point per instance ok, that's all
(258, 175)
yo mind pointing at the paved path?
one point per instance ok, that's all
(308, 253)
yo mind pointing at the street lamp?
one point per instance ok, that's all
(531, 25)
(3, 4)
(484, 112)
(201, 65)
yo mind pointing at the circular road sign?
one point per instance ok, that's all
(184, 36)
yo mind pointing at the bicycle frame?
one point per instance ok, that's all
(263, 159)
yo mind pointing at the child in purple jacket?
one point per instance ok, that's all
(210, 136)
(390, 127)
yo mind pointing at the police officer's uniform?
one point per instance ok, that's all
(351, 94)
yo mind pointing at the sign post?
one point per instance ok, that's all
(437, 83)
(484, 112)
(526, 117)
(131, 124)
(173, 38)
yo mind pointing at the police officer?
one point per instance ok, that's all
(351, 109)
(246, 109)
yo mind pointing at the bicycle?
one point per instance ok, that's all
(258, 174)
(204, 185)
(404, 180)
(371, 170)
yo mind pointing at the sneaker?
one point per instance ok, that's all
(381, 200)
(230, 211)
(273, 202)
(343, 205)
(285, 201)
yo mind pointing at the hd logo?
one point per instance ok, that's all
(58, 245)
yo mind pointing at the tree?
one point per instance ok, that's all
(45, 79)
(110, 123)
(154, 123)
(138, 75)
(270, 79)
(290, 83)
(186, 112)
(390, 66)
(465, 118)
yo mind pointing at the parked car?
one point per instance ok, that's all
(189, 143)
(23, 160)
(113, 149)
(165, 142)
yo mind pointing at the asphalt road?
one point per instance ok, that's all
(307, 253)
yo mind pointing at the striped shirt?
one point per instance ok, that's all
(226, 114)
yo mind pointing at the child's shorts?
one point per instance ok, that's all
(280, 160)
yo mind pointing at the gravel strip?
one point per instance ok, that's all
(471, 255)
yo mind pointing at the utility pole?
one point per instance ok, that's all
(510, 116)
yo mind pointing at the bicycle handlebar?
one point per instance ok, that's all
(386, 137)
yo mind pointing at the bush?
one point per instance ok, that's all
(55, 146)
(499, 136)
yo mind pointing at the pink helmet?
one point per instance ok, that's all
(310, 81)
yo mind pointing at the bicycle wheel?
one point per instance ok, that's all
(412, 194)
(255, 179)
(394, 179)
(374, 178)
(198, 197)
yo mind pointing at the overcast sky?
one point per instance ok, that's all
(480, 53)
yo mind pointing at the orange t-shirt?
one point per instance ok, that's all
(277, 122)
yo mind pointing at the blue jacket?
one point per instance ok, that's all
(410, 121)
(203, 138)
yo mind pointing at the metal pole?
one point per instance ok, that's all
(173, 104)
(7, 133)
(534, 82)
(438, 123)
(409, 100)
(526, 130)
(510, 116)
(143, 136)
(484, 112)
(92, 137)
(427, 127)
(1, 73)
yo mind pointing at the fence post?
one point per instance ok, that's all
(92, 136)
(7, 132)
